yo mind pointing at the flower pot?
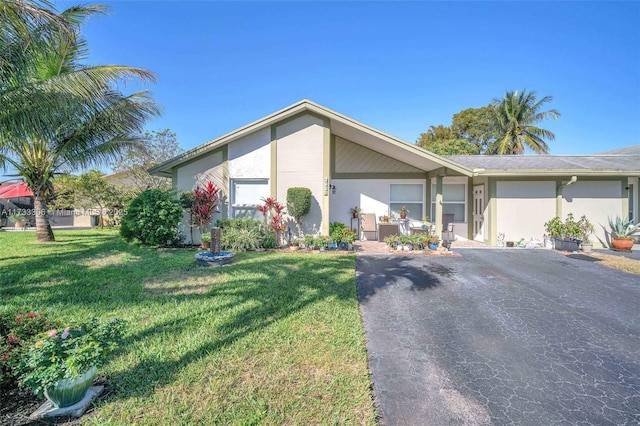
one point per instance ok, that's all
(621, 243)
(70, 391)
(355, 215)
(433, 246)
(587, 248)
(403, 215)
(566, 244)
(294, 247)
(205, 244)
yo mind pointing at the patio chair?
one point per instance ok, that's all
(368, 224)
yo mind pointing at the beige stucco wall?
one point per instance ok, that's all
(595, 199)
(523, 208)
(200, 171)
(250, 156)
(300, 158)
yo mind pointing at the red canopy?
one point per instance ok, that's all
(16, 190)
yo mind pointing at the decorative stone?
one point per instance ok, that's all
(76, 410)
(210, 259)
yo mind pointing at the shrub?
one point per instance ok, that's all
(298, 204)
(241, 234)
(17, 332)
(337, 227)
(152, 218)
(269, 241)
(240, 223)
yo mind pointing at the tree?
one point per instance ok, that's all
(513, 118)
(298, 205)
(443, 140)
(57, 114)
(474, 126)
(157, 146)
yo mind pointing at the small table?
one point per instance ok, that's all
(386, 229)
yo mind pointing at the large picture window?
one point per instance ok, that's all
(410, 195)
(246, 195)
(454, 201)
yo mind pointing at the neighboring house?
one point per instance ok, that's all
(346, 163)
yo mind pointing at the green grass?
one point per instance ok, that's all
(273, 338)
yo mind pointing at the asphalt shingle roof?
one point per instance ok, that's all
(550, 162)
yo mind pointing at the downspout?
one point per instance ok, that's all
(559, 189)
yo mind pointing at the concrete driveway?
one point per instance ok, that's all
(501, 337)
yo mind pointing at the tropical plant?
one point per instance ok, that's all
(433, 239)
(309, 241)
(152, 218)
(586, 229)
(205, 238)
(269, 241)
(243, 239)
(570, 228)
(273, 212)
(622, 228)
(204, 205)
(514, 120)
(68, 354)
(56, 113)
(355, 211)
(298, 205)
(17, 332)
(404, 210)
(554, 227)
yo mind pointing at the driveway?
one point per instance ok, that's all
(501, 337)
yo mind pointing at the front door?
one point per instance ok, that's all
(478, 213)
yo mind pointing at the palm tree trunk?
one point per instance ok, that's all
(44, 233)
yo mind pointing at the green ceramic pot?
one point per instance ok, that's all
(70, 391)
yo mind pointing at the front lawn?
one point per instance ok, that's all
(271, 339)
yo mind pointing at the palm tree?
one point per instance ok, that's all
(514, 118)
(57, 114)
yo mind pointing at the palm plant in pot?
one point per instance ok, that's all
(586, 228)
(62, 365)
(621, 231)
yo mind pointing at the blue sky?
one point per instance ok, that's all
(397, 66)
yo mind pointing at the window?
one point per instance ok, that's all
(454, 200)
(410, 195)
(246, 195)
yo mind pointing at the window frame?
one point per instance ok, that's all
(404, 202)
(233, 206)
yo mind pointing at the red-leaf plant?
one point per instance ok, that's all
(205, 204)
(273, 212)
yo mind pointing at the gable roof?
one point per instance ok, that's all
(341, 125)
(629, 150)
(537, 165)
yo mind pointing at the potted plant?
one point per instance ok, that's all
(621, 231)
(205, 240)
(18, 220)
(309, 242)
(433, 242)
(566, 234)
(294, 244)
(403, 212)
(392, 242)
(586, 229)
(61, 365)
(355, 211)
